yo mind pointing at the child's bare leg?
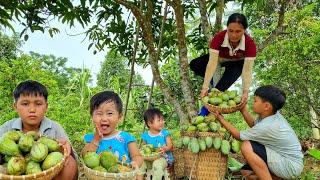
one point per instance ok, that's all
(259, 167)
(69, 171)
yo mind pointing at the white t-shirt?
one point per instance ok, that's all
(284, 155)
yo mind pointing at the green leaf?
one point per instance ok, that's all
(314, 153)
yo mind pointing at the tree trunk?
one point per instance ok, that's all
(219, 13)
(146, 28)
(206, 28)
(315, 123)
(183, 59)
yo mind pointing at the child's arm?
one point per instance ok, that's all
(168, 146)
(92, 146)
(136, 158)
(247, 116)
(234, 131)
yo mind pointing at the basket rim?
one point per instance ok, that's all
(154, 156)
(213, 108)
(40, 174)
(108, 174)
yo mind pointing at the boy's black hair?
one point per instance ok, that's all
(150, 114)
(28, 88)
(105, 96)
(275, 96)
(238, 18)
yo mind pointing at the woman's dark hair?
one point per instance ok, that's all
(30, 88)
(150, 114)
(275, 96)
(238, 18)
(105, 96)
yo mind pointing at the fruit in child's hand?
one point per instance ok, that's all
(51, 160)
(16, 166)
(107, 159)
(91, 159)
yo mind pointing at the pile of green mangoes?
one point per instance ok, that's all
(205, 124)
(224, 99)
(104, 162)
(149, 150)
(197, 144)
(221, 142)
(23, 154)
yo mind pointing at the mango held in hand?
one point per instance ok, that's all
(16, 166)
(91, 159)
(53, 145)
(38, 152)
(9, 147)
(107, 159)
(51, 160)
(33, 167)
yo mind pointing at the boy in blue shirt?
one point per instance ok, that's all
(270, 146)
(158, 138)
(106, 112)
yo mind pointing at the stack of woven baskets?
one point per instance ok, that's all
(210, 164)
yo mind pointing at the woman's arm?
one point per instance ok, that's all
(246, 77)
(210, 70)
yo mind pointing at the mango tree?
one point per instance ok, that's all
(112, 24)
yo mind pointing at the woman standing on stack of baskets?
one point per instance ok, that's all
(233, 49)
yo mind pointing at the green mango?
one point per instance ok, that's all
(217, 142)
(208, 141)
(225, 147)
(202, 144)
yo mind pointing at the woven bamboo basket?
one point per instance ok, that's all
(190, 134)
(44, 175)
(152, 157)
(179, 162)
(229, 110)
(97, 175)
(205, 165)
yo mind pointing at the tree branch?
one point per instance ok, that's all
(204, 20)
(279, 29)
